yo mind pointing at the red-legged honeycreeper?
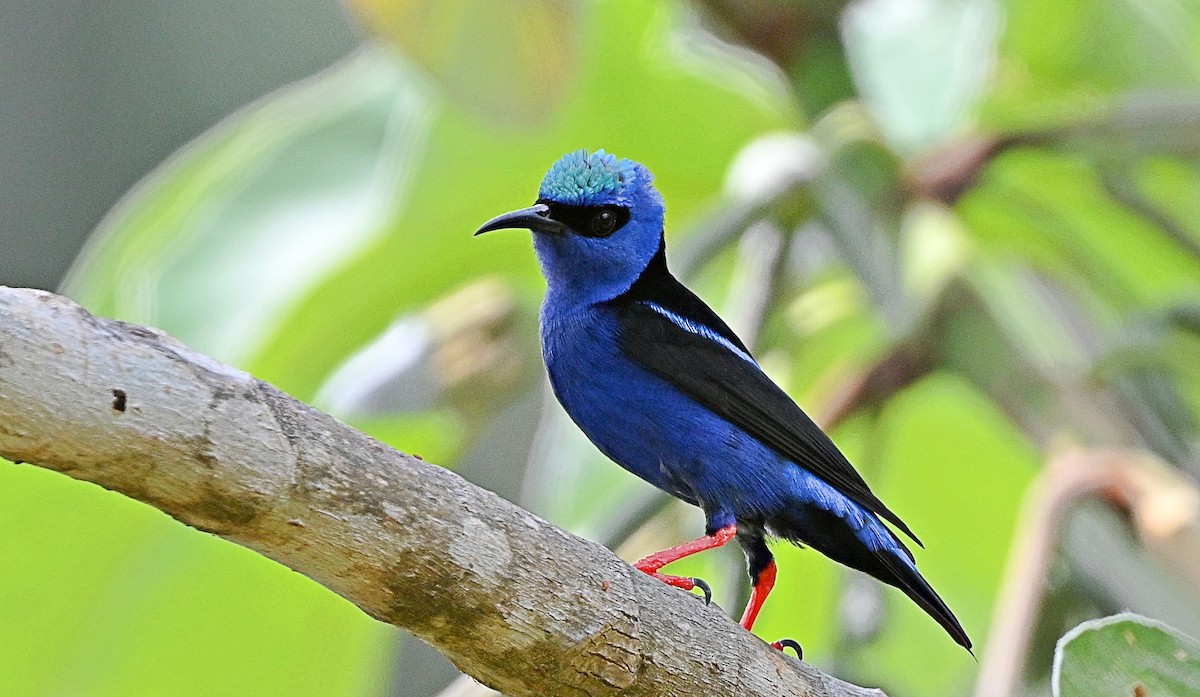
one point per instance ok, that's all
(663, 387)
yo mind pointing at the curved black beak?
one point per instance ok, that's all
(536, 218)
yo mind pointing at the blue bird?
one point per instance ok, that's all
(665, 389)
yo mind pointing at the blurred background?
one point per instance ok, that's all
(964, 234)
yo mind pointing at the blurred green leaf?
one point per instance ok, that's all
(103, 595)
(1052, 210)
(855, 195)
(1066, 59)
(921, 66)
(1126, 655)
(1171, 188)
(221, 240)
(509, 61)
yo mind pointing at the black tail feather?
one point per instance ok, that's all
(833, 537)
(914, 585)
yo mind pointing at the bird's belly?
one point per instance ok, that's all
(625, 417)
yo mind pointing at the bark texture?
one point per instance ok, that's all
(514, 601)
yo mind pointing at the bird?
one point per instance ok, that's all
(663, 387)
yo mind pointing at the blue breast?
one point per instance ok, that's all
(649, 427)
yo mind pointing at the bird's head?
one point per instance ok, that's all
(597, 223)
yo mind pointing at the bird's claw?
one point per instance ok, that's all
(687, 583)
(788, 643)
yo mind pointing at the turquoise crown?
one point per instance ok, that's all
(583, 179)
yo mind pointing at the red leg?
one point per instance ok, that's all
(758, 596)
(658, 560)
(651, 564)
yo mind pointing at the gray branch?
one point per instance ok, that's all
(513, 601)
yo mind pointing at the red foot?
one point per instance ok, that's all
(683, 582)
(686, 583)
(658, 560)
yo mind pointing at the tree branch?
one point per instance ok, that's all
(513, 601)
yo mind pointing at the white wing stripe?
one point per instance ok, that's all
(688, 325)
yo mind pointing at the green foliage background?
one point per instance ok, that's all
(1118, 655)
(1053, 277)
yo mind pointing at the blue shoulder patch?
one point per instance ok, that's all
(583, 179)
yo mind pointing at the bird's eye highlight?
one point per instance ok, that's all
(604, 223)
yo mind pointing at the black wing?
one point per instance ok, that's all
(710, 370)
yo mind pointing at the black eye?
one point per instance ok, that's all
(588, 221)
(603, 223)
